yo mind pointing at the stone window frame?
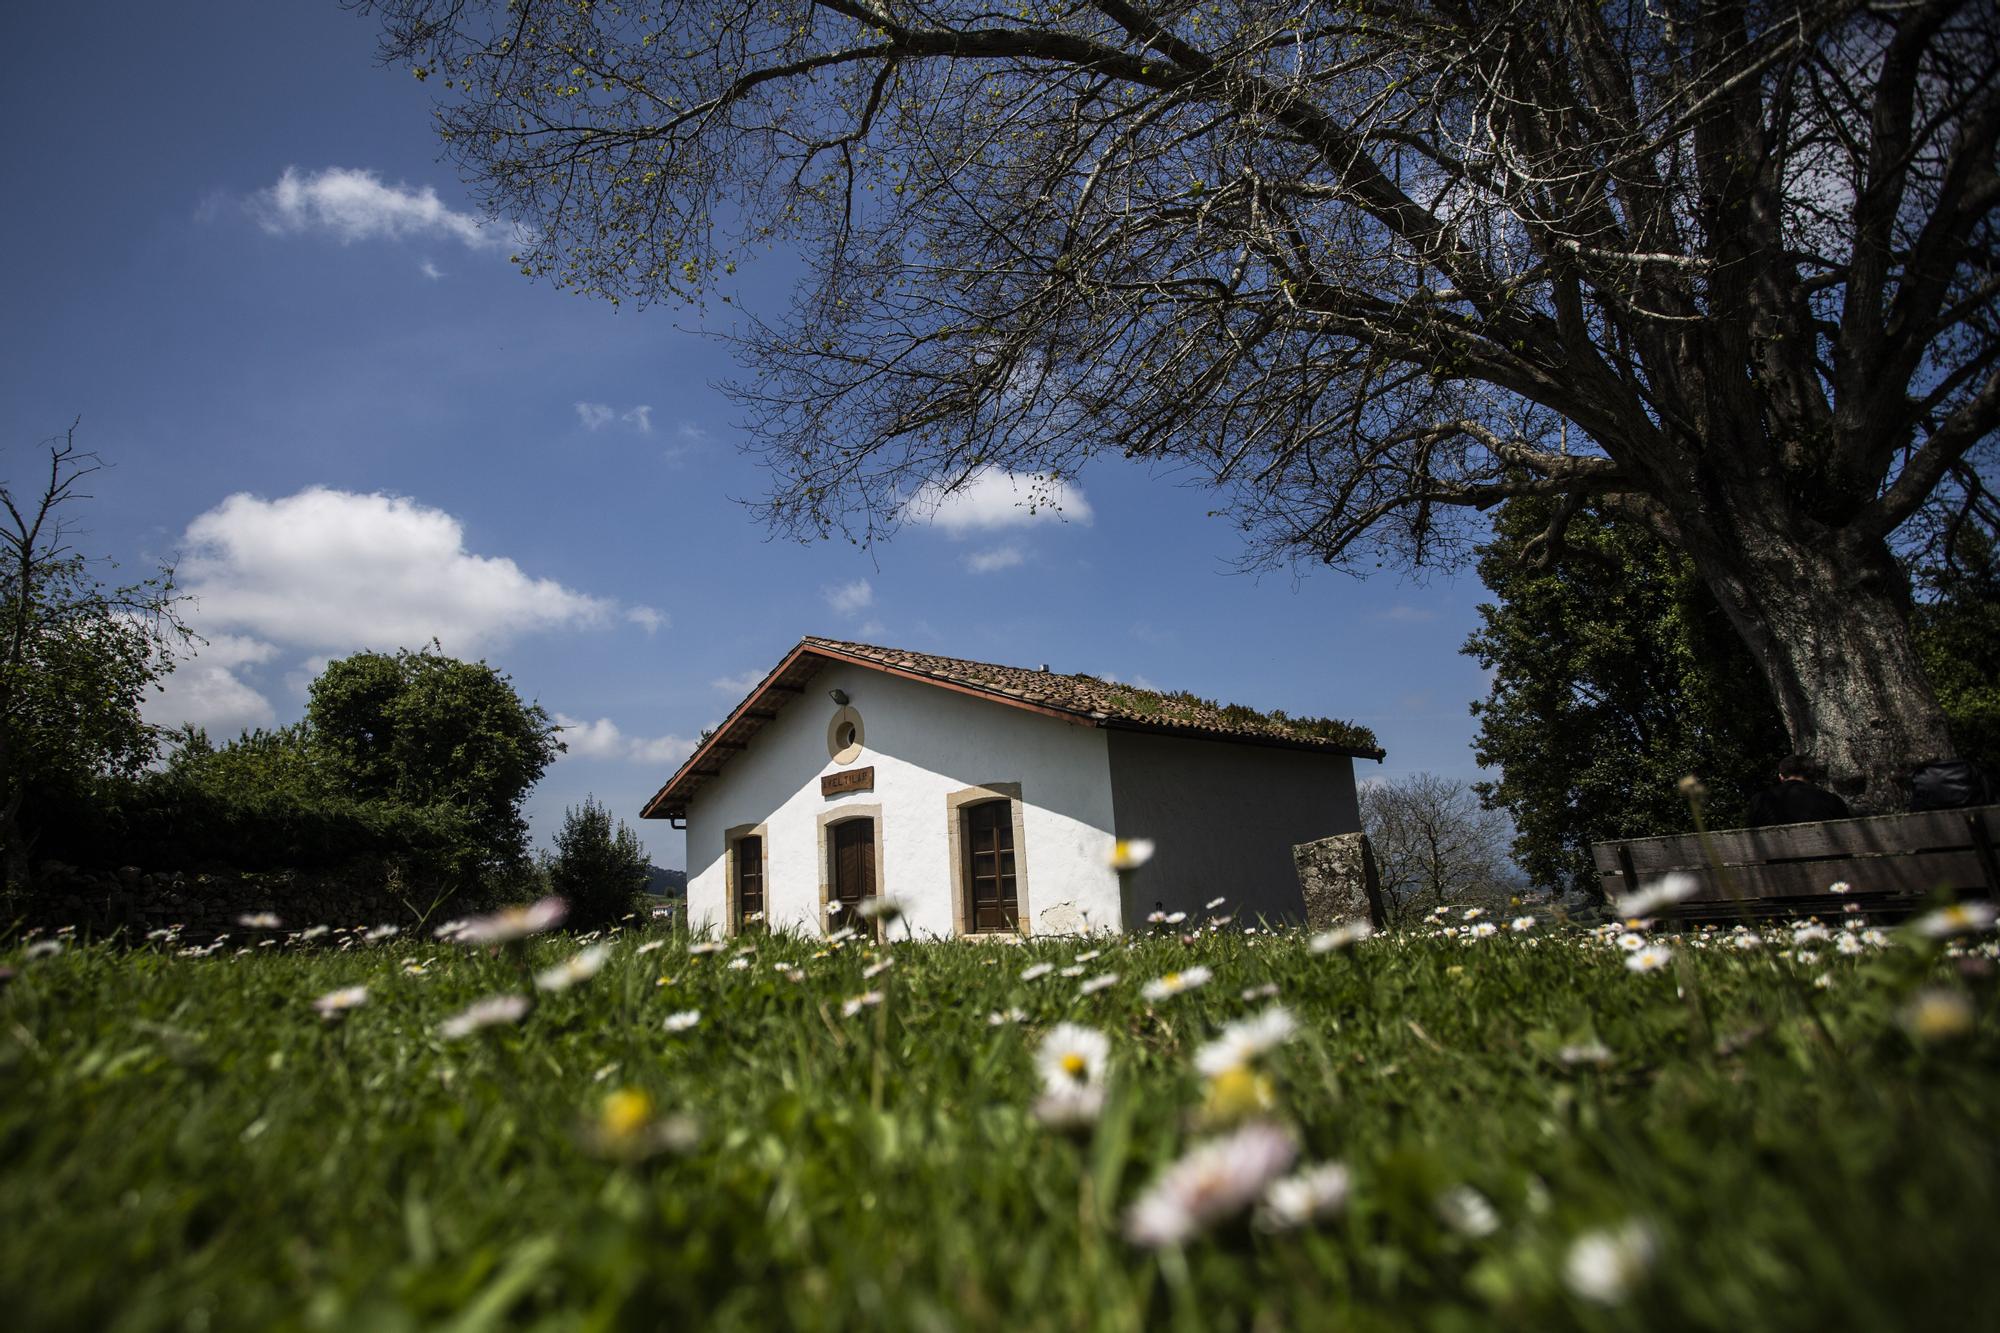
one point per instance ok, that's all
(846, 754)
(732, 924)
(840, 814)
(961, 892)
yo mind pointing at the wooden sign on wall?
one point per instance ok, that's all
(858, 779)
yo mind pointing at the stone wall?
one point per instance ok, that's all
(100, 903)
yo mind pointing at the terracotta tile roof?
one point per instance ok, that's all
(1077, 698)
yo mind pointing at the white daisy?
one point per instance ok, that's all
(580, 967)
(681, 1021)
(649, 946)
(1649, 959)
(1936, 1014)
(1473, 914)
(1521, 924)
(1037, 971)
(1340, 937)
(1073, 971)
(1215, 1180)
(1468, 1212)
(1304, 1196)
(1087, 955)
(1267, 991)
(1810, 934)
(1131, 853)
(1958, 919)
(1175, 918)
(849, 1008)
(1630, 941)
(1070, 1106)
(486, 1013)
(1214, 903)
(737, 965)
(1604, 1266)
(706, 947)
(337, 1004)
(1674, 888)
(1002, 1017)
(380, 933)
(1484, 930)
(44, 949)
(1072, 1054)
(1098, 983)
(879, 907)
(1174, 983)
(874, 970)
(1585, 1053)
(1241, 1043)
(260, 921)
(513, 923)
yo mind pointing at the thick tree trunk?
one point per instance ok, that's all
(1826, 616)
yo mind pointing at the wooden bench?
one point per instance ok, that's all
(1891, 863)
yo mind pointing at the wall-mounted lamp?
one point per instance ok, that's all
(838, 696)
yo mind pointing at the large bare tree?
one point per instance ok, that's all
(1369, 265)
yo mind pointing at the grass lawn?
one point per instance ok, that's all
(1535, 1135)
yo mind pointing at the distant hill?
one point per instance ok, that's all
(664, 883)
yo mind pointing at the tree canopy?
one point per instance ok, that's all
(423, 729)
(1727, 270)
(1614, 675)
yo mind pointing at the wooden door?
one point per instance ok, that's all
(989, 871)
(853, 868)
(749, 882)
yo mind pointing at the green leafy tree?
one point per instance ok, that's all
(599, 866)
(423, 729)
(1614, 675)
(77, 657)
(1956, 620)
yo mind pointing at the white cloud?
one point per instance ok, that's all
(1000, 557)
(324, 573)
(994, 498)
(335, 571)
(739, 685)
(847, 598)
(205, 690)
(1405, 614)
(871, 629)
(430, 270)
(602, 739)
(596, 416)
(355, 205)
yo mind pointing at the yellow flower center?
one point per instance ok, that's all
(1075, 1066)
(1237, 1092)
(626, 1112)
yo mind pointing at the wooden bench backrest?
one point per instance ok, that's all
(1906, 855)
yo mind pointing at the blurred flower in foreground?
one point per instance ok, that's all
(881, 908)
(1036, 971)
(260, 921)
(1174, 983)
(1468, 1212)
(1521, 924)
(682, 1021)
(1304, 1196)
(1957, 919)
(44, 949)
(627, 1127)
(1098, 983)
(849, 1008)
(1649, 959)
(1214, 1181)
(1604, 1266)
(581, 967)
(513, 923)
(486, 1013)
(1131, 853)
(380, 933)
(1934, 1014)
(1674, 888)
(1352, 932)
(1071, 1061)
(335, 1005)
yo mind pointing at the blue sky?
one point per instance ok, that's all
(235, 255)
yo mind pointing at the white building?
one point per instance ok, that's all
(988, 798)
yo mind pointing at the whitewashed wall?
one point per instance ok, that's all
(924, 743)
(1224, 818)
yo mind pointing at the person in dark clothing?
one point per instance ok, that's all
(1948, 784)
(1798, 798)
